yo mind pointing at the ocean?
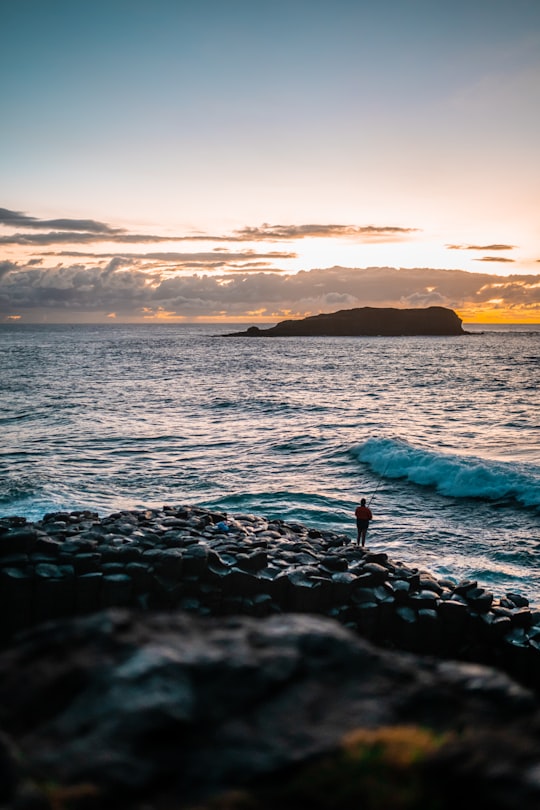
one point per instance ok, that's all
(439, 434)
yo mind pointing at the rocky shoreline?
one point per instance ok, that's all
(162, 658)
(211, 564)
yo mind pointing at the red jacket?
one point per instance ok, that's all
(363, 513)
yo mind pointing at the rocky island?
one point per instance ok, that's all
(384, 321)
(185, 658)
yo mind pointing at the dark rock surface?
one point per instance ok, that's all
(366, 321)
(172, 709)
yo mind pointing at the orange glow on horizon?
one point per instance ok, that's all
(502, 316)
(499, 315)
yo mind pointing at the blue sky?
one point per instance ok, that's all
(353, 134)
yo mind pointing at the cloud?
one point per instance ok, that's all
(280, 233)
(221, 281)
(130, 290)
(208, 260)
(66, 230)
(6, 267)
(496, 246)
(481, 247)
(493, 259)
(17, 220)
(425, 299)
(252, 267)
(87, 231)
(81, 237)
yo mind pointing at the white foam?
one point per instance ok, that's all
(453, 475)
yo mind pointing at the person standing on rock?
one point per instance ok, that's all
(363, 516)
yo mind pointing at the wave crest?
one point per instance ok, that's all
(453, 475)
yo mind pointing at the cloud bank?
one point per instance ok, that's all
(280, 233)
(132, 292)
(237, 282)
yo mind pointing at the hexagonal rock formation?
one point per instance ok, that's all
(209, 564)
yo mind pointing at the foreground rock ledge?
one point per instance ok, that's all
(388, 321)
(165, 710)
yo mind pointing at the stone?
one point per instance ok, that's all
(479, 599)
(195, 560)
(18, 540)
(116, 590)
(423, 599)
(87, 562)
(334, 563)
(88, 592)
(518, 600)
(401, 590)
(170, 563)
(254, 561)
(342, 585)
(54, 593)
(16, 600)
(430, 584)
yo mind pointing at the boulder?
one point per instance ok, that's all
(166, 710)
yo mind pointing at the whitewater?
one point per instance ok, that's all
(439, 434)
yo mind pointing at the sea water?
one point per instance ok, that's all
(439, 434)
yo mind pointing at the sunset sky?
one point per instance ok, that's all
(246, 161)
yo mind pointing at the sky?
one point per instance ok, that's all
(248, 161)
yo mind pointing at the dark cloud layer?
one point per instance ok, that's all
(481, 247)
(77, 237)
(215, 258)
(280, 233)
(131, 291)
(87, 231)
(239, 283)
(494, 259)
(16, 219)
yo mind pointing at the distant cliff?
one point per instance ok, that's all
(366, 321)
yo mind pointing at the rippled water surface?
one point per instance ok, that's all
(441, 433)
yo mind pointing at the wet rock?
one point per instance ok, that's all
(16, 600)
(423, 599)
(195, 560)
(253, 562)
(116, 590)
(479, 599)
(18, 540)
(518, 600)
(334, 563)
(88, 592)
(401, 589)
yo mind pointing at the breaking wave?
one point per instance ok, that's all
(453, 475)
